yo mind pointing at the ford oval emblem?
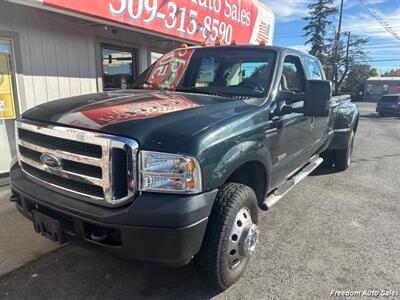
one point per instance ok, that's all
(50, 160)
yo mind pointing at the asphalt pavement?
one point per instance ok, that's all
(18, 243)
(332, 232)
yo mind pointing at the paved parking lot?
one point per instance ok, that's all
(18, 243)
(334, 231)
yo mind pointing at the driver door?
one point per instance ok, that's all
(293, 141)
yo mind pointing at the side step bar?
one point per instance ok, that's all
(290, 183)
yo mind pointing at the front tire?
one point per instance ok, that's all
(231, 235)
(343, 156)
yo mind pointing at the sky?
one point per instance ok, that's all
(383, 49)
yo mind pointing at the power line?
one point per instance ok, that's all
(383, 60)
(287, 37)
(385, 24)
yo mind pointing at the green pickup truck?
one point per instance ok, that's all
(177, 167)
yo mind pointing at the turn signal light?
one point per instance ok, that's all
(183, 45)
(203, 44)
(233, 43)
(190, 183)
(262, 43)
(217, 42)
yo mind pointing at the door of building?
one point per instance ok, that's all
(7, 107)
(119, 67)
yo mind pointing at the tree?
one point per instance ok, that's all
(337, 52)
(374, 73)
(357, 75)
(320, 13)
(350, 52)
(392, 73)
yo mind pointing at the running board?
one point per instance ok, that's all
(290, 183)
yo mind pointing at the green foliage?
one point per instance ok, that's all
(319, 18)
(373, 73)
(392, 73)
(358, 73)
(344, 52)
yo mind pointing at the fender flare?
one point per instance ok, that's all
(238, 156)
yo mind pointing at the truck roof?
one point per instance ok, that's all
(275, 48)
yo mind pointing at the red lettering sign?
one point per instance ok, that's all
(170, 68)
(245, 21)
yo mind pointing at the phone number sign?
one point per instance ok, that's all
(243, 21)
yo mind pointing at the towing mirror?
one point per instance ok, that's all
(287, 96)
(317, 98)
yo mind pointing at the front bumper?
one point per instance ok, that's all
(161, 228)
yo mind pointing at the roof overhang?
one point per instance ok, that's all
(195, 21)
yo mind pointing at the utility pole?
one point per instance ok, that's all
(334, 67)
(346, 63)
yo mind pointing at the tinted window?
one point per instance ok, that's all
(232, 75)
(390, 99)
(293, 78)
(232, 71)
(314, 69)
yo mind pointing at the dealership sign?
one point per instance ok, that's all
(243, 21)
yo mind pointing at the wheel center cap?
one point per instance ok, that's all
(250, 240)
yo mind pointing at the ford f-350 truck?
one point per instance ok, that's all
(178, 167)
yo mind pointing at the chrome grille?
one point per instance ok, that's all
(93, 167)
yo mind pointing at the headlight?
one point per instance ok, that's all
(163, 172)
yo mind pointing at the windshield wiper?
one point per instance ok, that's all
(155, 85)
(195, 90)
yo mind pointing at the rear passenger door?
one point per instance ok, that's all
(293, 141)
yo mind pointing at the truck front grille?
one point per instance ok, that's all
(90, 166)
(55, 143)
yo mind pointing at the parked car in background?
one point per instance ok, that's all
(388, 105)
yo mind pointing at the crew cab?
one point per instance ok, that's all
(178, 167)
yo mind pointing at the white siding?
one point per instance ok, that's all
(57, 58)
(60, 55)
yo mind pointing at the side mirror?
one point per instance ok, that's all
(287, 96)
(317, 98)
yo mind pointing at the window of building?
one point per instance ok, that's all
(369, 89)
(154, 56)
(119, 67)
(385, 88)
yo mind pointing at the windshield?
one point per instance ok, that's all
(390, 99)
(231, 72)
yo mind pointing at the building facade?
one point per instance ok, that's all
(376, 87)
(53, 49)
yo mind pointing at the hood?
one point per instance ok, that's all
(155, 119)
